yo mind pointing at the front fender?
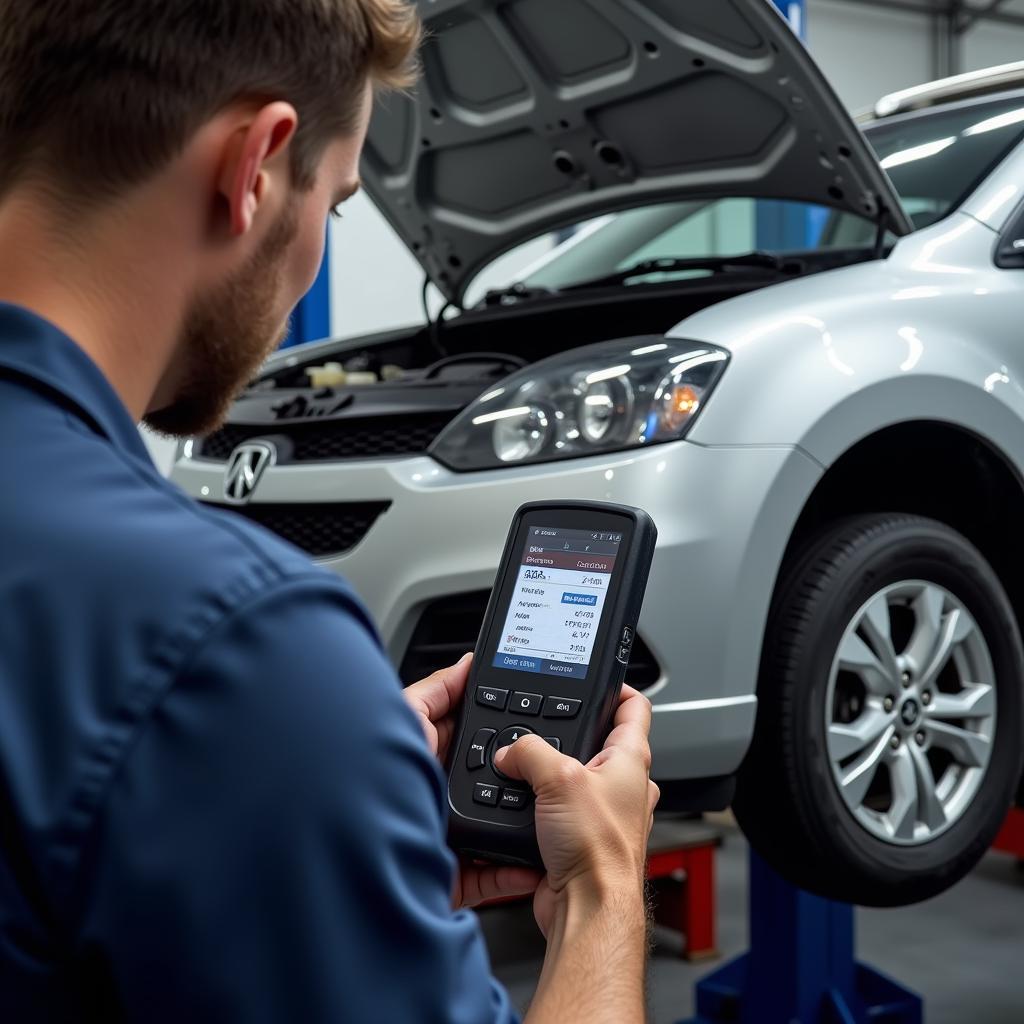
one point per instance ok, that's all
(823, 362)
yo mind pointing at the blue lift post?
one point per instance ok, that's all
(311, 320)
(800, 968)
(781, 225)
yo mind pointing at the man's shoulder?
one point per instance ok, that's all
(195, 553)
(100, 514)
(176, 535)
(121, 556)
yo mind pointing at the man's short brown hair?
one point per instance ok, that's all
(98, 95)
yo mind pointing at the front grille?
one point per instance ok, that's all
(335, 440)
(320, 530)
(449, 627)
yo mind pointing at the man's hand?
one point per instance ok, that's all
(436, 700)
(593, 820)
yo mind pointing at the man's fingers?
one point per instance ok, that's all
(533, 760)
(493, 882)
(634, 710)
(445, 729)
(632, 725)
(626, 692)
(439, 694)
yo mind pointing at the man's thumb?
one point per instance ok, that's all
(530, 758)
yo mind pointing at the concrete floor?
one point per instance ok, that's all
(963, 951)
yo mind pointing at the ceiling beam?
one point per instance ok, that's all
(946, 40)
(926, 9)
(970, 16)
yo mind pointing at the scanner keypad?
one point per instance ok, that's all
(486, 741)
(528, 703)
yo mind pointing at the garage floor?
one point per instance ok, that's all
(964, 951)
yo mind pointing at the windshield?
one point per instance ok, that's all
(935, 159)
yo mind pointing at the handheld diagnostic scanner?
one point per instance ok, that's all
(550, 660)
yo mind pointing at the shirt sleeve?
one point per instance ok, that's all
(273, 847)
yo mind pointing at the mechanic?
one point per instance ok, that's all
(216, 802)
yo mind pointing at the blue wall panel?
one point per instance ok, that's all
(311, 320)
(788, 225)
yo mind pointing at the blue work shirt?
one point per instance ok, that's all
(215, 804)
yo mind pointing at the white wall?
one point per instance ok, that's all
(867, 52)
(375, 282)
(989, 43)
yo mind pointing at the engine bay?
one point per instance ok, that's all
(397, 390)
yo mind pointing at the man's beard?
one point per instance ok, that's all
(227, 336)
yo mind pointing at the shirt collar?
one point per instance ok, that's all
(32, 347)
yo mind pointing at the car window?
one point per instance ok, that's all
(720, 228)
(935, 159)
(693, 229)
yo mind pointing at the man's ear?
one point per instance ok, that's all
(243, 176)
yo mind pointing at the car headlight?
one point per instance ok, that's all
(608, 397)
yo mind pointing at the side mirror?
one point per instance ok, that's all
(1010, 250)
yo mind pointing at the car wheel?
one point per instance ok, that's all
(890, 731)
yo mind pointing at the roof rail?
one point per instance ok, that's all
(946, 90)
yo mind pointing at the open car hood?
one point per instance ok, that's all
(536, 114)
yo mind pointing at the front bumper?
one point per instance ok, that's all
(724, 516)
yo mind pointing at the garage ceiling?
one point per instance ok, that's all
(965, 13)
(950, 23)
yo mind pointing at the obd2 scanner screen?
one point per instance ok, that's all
(557, 601)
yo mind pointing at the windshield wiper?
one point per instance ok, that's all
(517, 292)
(672, 264)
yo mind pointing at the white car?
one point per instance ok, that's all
(811, 379)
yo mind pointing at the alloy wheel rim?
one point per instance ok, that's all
(910, 712)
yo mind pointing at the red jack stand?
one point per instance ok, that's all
(681, 869)
(1011, 835)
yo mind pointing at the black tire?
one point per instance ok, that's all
(787, 801)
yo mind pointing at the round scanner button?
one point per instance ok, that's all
(525, 703)
(506, 738)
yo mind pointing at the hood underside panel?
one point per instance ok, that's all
(535, 114)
